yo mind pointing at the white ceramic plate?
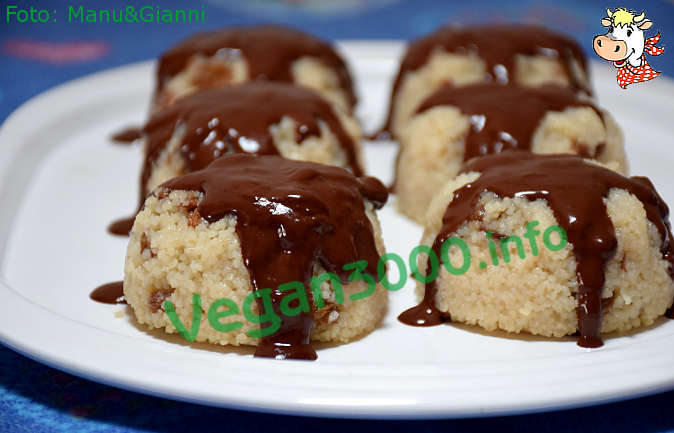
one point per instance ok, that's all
(63, 181)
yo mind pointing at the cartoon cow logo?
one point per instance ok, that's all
(625, 46)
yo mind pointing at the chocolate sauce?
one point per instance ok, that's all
(122, 226)
(235, 119)
(127, 135)
(575, 191)
(497, 46)
(269, 52)
(503, 117)
(111, 293)
(291, 216)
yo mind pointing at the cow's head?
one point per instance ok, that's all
(624, 40)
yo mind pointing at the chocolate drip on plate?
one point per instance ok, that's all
(269, 52)
(291, 217)
(575, 191)
(127, 135)
(122, 226)
(497, 46)
(110, 293)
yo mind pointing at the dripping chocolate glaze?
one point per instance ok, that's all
(575, 191)
(291, 216)
(235, 119)
(504, 118)
(268, 50)
(497, 46)
(110, 293)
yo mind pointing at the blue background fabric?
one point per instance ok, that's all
(35, 57)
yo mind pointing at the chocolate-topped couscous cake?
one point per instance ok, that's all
(455, 124)
(237, 54)
(524, 55)
(550, 245)
(257, 118)
(254, 223)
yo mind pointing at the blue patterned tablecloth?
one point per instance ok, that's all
(35, 57)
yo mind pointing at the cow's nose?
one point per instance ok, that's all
(608, 49)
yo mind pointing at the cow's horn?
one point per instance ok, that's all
(640, 18)
(608, 11)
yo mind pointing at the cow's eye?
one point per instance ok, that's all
(629, 33)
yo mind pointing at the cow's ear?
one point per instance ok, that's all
(606, 22)
(645, 24)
